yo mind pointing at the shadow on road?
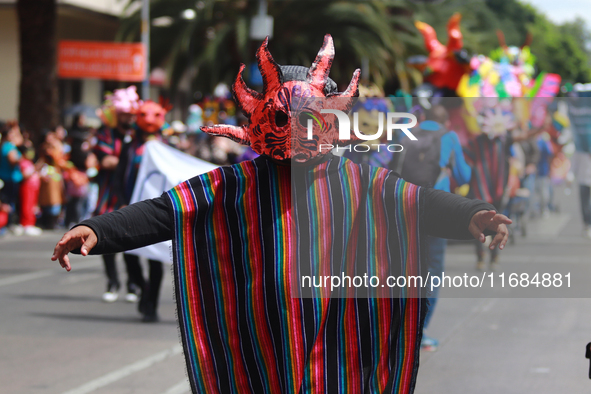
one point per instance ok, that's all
(98, 318)
(56, 297)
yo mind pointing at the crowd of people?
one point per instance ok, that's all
(56, 184)
(80, 172)
(511, 162)
(41, 187)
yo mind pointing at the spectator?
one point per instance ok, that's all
(4, 211)
(76, 179)
(29, 192)
(10, 172)
(51, 190)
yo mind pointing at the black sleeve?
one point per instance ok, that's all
(448, 215)
(140, 224)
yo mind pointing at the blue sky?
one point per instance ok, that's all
(564, 10)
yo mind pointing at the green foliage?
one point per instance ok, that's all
(563, 50)
(217, 40)
(209, 49)
(558, 52)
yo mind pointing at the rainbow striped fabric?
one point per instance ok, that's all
(490, 167)
(109, 143)
(244, 237)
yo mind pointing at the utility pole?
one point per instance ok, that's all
(261, 25)
(146, 42)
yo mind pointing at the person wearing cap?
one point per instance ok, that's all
(243, 236)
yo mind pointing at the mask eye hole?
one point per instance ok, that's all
(281, 118)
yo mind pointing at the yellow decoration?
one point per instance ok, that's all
(470, 115)
(494, 78)
(521, 111)
(485, 68)
(465, 89)
(462, 190)
(561, 119)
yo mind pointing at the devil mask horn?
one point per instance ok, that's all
(287, 91)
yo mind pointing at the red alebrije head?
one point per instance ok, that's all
(287, 92)
(445, 65)
(150, 117)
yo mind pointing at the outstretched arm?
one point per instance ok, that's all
(490, 222)
(80, 237)
(140, 224)
(451, 216)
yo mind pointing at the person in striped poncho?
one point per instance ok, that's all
(246, 237)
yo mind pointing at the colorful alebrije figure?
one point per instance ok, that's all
(150, 117)
(124, 101)
(446, 64)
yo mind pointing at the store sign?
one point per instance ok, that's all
(102, 60)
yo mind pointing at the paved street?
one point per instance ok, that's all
(515, 345)
(58, 337)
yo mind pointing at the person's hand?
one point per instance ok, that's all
(490, 220)
(79, 237)
(109, 162)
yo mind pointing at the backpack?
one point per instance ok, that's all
(418, 162)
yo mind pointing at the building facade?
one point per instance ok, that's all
(90, 20)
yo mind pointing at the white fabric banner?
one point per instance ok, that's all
(161, 169)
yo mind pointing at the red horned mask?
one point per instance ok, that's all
(275, 127)
(150, 117)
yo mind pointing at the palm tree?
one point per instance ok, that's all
(38, 106)
(216, 41)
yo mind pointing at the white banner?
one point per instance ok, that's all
(161, 169)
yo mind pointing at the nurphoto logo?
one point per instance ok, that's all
(392, 120)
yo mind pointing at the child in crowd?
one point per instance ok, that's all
(51, 191)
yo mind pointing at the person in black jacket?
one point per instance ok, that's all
(245, 237)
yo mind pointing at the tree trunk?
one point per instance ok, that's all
(38, 106)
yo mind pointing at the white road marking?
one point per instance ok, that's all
(12, 280)
(126, 371)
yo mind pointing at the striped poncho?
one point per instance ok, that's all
(109, 143)
(244, 237)
(490, 167)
